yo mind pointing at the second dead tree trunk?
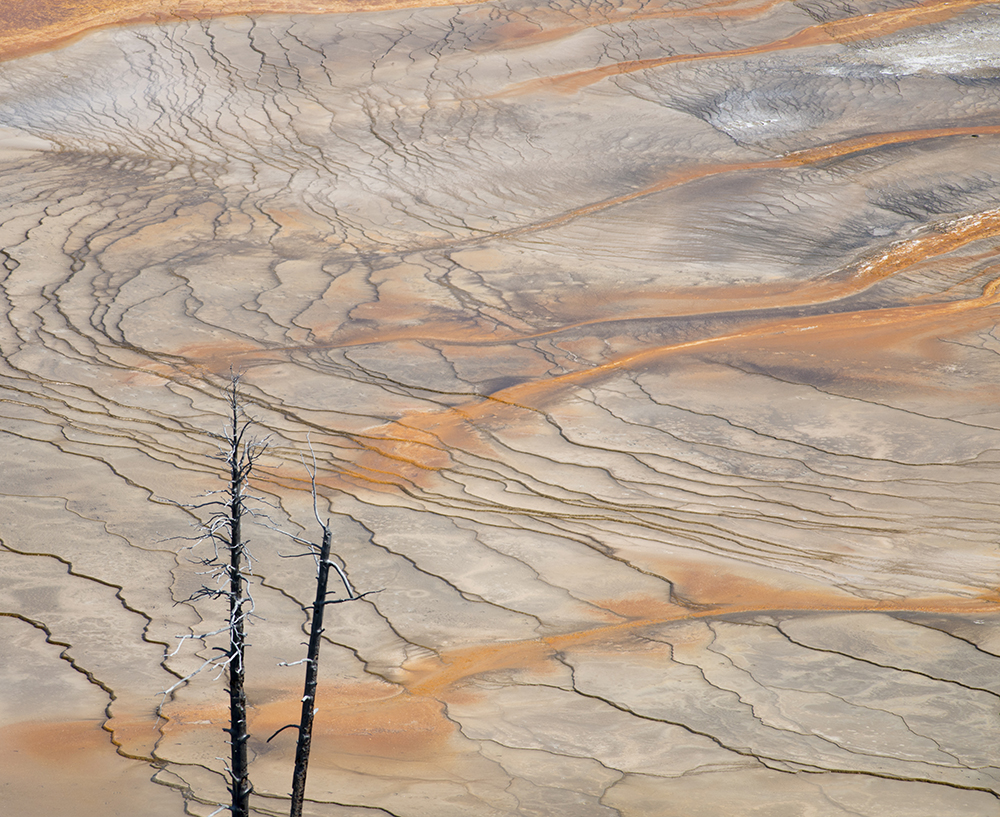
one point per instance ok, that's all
(304, 742)
(324, 564)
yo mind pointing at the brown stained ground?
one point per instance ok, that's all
(415, 446)
(647, 354)
(614, 305)
(43, 762)
(30, 26)
(847, 30)
(731, 595)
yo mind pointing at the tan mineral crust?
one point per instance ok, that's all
(648, 353)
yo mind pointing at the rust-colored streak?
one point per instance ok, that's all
(882, 23)
(709, 592)
(803, 157)
(616, 306)
(371, 718)
(840, 31)
(410, 450)
(878, 266)
(69, 744)
(50, 764)
(419, 325)
(904, 254)
(806, 156)
(836, 150)
(363, 719)
(29, 26)
(407, 721)
(577, 80)
(544, 24)
(631, 305)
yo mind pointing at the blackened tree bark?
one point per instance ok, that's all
(225, 530)
(230, 564)
(304, 743)
(324, 564)
(240, 458)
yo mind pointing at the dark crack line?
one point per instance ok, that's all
(909, 670)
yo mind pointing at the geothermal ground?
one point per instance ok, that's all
(648, 353)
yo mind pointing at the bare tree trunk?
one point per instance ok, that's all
(304, 743)
(232, 581)
(240, 466)
(238, 734)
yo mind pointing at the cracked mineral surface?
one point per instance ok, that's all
(648, 354)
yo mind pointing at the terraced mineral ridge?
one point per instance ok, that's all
(648, 356)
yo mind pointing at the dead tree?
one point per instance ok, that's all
(241, 454)
(324, 563)
(231, 567)
(304, 743)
